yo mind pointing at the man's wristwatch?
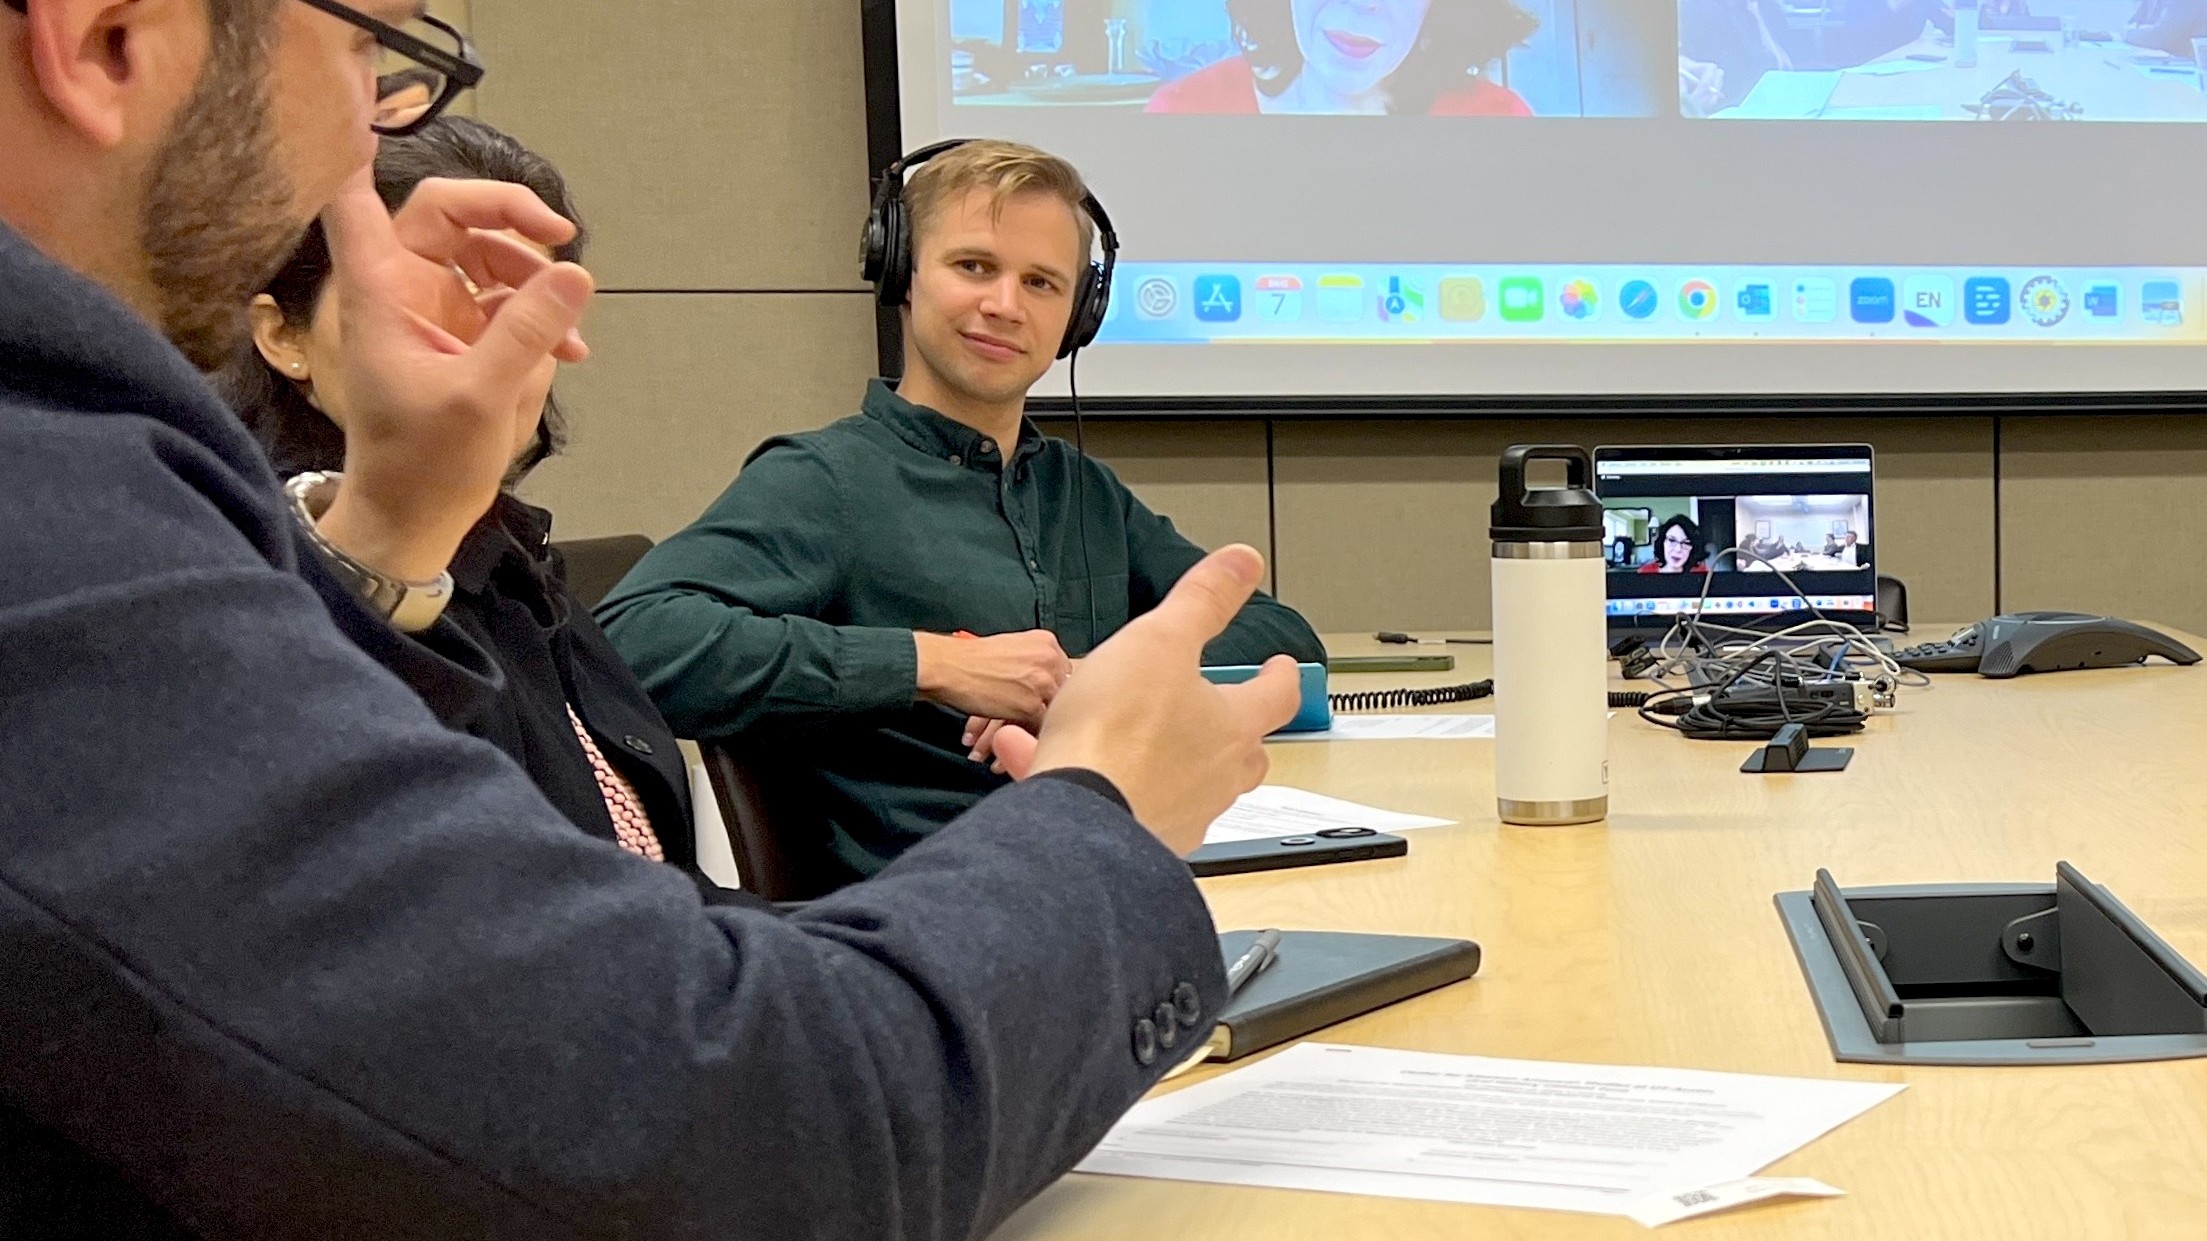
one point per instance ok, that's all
(410, 606)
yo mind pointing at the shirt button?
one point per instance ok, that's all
(1168, 1029)
(1032, 565)
(637, 744)
(987, 447)
(1145, 1042)
(955, 459)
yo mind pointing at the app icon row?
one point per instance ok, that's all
(1925, 300)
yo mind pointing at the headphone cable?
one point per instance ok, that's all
(1080, 490)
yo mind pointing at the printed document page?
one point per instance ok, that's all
(1521, 1133)
(1276, 810)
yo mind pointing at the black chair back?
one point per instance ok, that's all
(768, 840)
(1892, 604)
(596, 566)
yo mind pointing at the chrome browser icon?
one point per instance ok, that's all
(1697, 299)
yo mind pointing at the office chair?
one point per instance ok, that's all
(1892, 604)
(770, 844)
(596, 566)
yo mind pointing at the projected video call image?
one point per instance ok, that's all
(1934, 60)
(1797, 534)
(1491, 58)
(1791, 534)
(1649, 534)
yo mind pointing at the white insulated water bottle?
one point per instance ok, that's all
(1551, 657)
(1965, 34)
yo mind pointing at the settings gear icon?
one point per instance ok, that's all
(2045, 301)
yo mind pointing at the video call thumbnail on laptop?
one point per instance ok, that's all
(1674, 516)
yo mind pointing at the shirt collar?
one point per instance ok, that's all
(938, 435)
(512, 536)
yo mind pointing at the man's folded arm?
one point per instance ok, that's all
(726, 622)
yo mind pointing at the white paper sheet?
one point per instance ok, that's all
(1599, 1139)
(1886, 112)
(1669, 1208)
(1276, 810)
(1888, 68)
(1398, 728)
(1784, 94)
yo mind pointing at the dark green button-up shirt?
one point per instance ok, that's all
(784, 615)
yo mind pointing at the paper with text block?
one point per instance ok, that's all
(1276, 810)
(1669, 1208)
(1397, 728)
(1599, 1139)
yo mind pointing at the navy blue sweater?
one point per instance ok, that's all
(283, 955)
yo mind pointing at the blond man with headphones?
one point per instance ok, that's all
(870, 603)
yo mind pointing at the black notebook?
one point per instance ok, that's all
(1322, 977)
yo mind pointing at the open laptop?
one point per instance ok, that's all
(1671, 514)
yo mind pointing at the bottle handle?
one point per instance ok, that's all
(1578, 467)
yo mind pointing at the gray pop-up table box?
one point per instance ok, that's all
(1965, 974)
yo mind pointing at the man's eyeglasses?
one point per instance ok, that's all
(424, 66)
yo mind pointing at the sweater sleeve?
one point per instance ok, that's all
(724, 622)
(296, 960)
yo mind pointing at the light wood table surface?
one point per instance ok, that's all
(2110, 80)
(1653, 940)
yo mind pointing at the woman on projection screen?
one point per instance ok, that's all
(1350, 57)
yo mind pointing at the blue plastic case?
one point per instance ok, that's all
(1316, 713)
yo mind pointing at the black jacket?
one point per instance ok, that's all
(283, 955)
(511, 597)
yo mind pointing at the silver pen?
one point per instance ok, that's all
(1262, 953)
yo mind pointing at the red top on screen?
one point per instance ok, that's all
(1229, 88)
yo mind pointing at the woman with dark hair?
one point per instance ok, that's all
(1678, 547)
(1334, 57)
(571, 713)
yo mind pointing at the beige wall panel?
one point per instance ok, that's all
(1209, 477)
(711, 145)
(680, 388)
(1383, 524)
(2106, 515)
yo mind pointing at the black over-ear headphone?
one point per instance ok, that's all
(888, 257)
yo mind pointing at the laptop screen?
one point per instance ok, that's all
(1726, 520)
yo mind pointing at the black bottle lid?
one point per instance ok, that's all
(1566, 514)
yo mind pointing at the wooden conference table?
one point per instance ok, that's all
(1652, 940)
